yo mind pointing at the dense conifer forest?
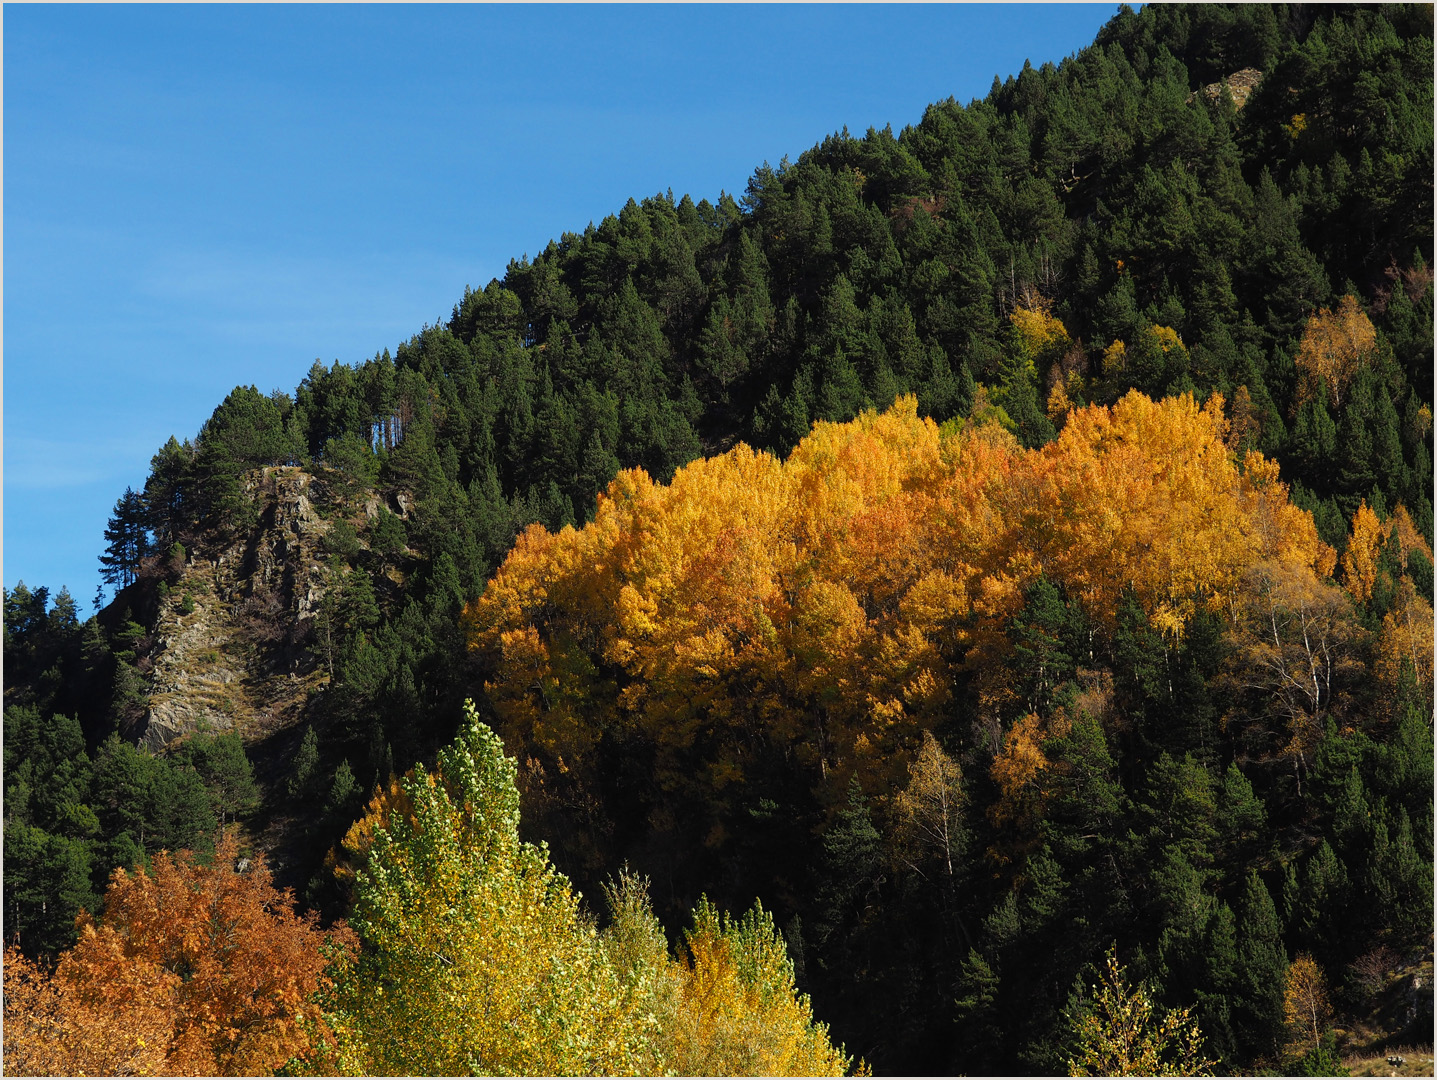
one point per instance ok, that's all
(997, 556)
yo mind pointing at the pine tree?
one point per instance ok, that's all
(224, 768)
(1260, 970)
(302, 770)
(127, 540)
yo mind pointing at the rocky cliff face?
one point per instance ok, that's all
(233, 643)
(1240, 85)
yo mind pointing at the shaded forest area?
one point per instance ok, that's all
(1159, 758)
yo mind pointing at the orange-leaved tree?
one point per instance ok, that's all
(120, 1023)
(196, 968)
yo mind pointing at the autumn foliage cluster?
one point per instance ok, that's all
(823, 619)
(831, 603)
(195, 969)
(468, 954)
(1034, 699)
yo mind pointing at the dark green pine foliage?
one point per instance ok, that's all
(48, 878)
(48, 829)
(387, 537)
(1044, 918)
(127, 540)
(1242, 825)
(1261, 966)
(224, 769)
(345, 794)
(1399, 880)
(1318, 921)
(245, 431)
(302, 769)
(1050, 637)
(169, 492)
(148, 804)
(850, 865)
(887, 922)
(1402, 766)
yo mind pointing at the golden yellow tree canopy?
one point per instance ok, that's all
(849, 581)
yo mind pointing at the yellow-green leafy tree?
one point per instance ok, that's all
(739, 1014)
(477, 957)
(1121, 1032)
(727, 1006)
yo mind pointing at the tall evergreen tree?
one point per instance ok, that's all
(127, 540)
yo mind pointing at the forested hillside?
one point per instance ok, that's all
(992, 544)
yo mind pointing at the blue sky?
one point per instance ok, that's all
(198, 197)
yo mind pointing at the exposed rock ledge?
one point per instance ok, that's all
(238, 659)
(1240, 84)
